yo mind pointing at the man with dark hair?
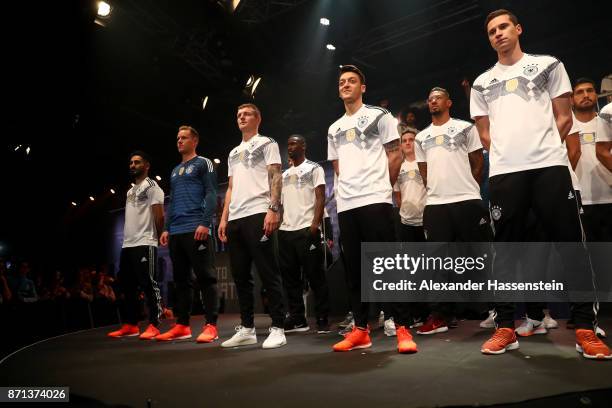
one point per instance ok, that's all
(251, 216)
(450, 160)
(363, 146)
(522, 110)
(595, 179)
(193, 201)
(300, 241)
(144, 219)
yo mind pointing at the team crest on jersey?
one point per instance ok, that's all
(189, 169)
(512, 84)
(496, 212)
(362, 121)
(351, 134)
(181, 171)
(530, 70)
(451, 130)
(439, 140)
(588, 137)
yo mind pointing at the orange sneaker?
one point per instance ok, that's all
(177, 332)
(209, 334)
(357, 339)
(150, 333)
(126, 330)
(503, 339)
(405, 344)
(591, 346)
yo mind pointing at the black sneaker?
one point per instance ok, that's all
(292, 325)
(323, 326)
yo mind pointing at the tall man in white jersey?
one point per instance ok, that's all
(522, 110)
(144, 219)
(300, 247)
(363, 146)
(449, 156)
(251, 216)
(595, 179)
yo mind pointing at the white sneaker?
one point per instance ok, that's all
(389, 327)
(243, 337)
(489, 322)
(381, 319)
(548, 321)
(601, 333)
(529, 327)
(275, 339)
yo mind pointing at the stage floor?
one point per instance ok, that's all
(448, 370)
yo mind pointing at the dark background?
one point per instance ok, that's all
(83, 96)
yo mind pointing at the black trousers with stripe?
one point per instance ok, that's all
(187, 254)
(137, 272)
(248, 245)
(548, 192)
(370, 223)
(301, 259)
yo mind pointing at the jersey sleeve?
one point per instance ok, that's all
(558, 82)
(332, 153)
(156, 195)
(473, 142)
(604, 130)
(229, 167)
(272, 154)
(387, 128)
(478, 104)
(419, 153)
(318, 176)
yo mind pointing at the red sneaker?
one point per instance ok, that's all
(209, 334)
(357, 339)
(591, 346)
(126, 330)
(503, 339)
(405, 344)
(433, 325)
(177, 332)
(150, 333)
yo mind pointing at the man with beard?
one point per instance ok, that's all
(450, 160)
(144, 218)
(299, 238)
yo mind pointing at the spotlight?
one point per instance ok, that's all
(104, 9)
(331, 47)
(324, 21)
(112, 191)
(250, 81)
(132, 184)
(204, 102)
(18, 147)
(255, 86)
(91, 198)
(217, 161)
(158, 178)
(28, 150)
(73, 204)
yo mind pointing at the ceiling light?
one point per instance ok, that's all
(104, 9)
(330, 47)
(324, 21)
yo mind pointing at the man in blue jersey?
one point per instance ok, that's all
(193, 201)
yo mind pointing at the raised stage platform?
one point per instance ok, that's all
(448, 370)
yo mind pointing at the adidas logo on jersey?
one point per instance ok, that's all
(144, 259)
(494, 80)
(570, 195)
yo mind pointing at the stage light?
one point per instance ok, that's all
(158, 178)
(91, 198)
(73, 204)
(112, 191)
(18, 147)
(255, 86)
(235, 4)
(331, 47)
(217, 161)
(104, 9)
(28, 150)
(204, 102)
(250, 81)
(132, 184)
(324, 21)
